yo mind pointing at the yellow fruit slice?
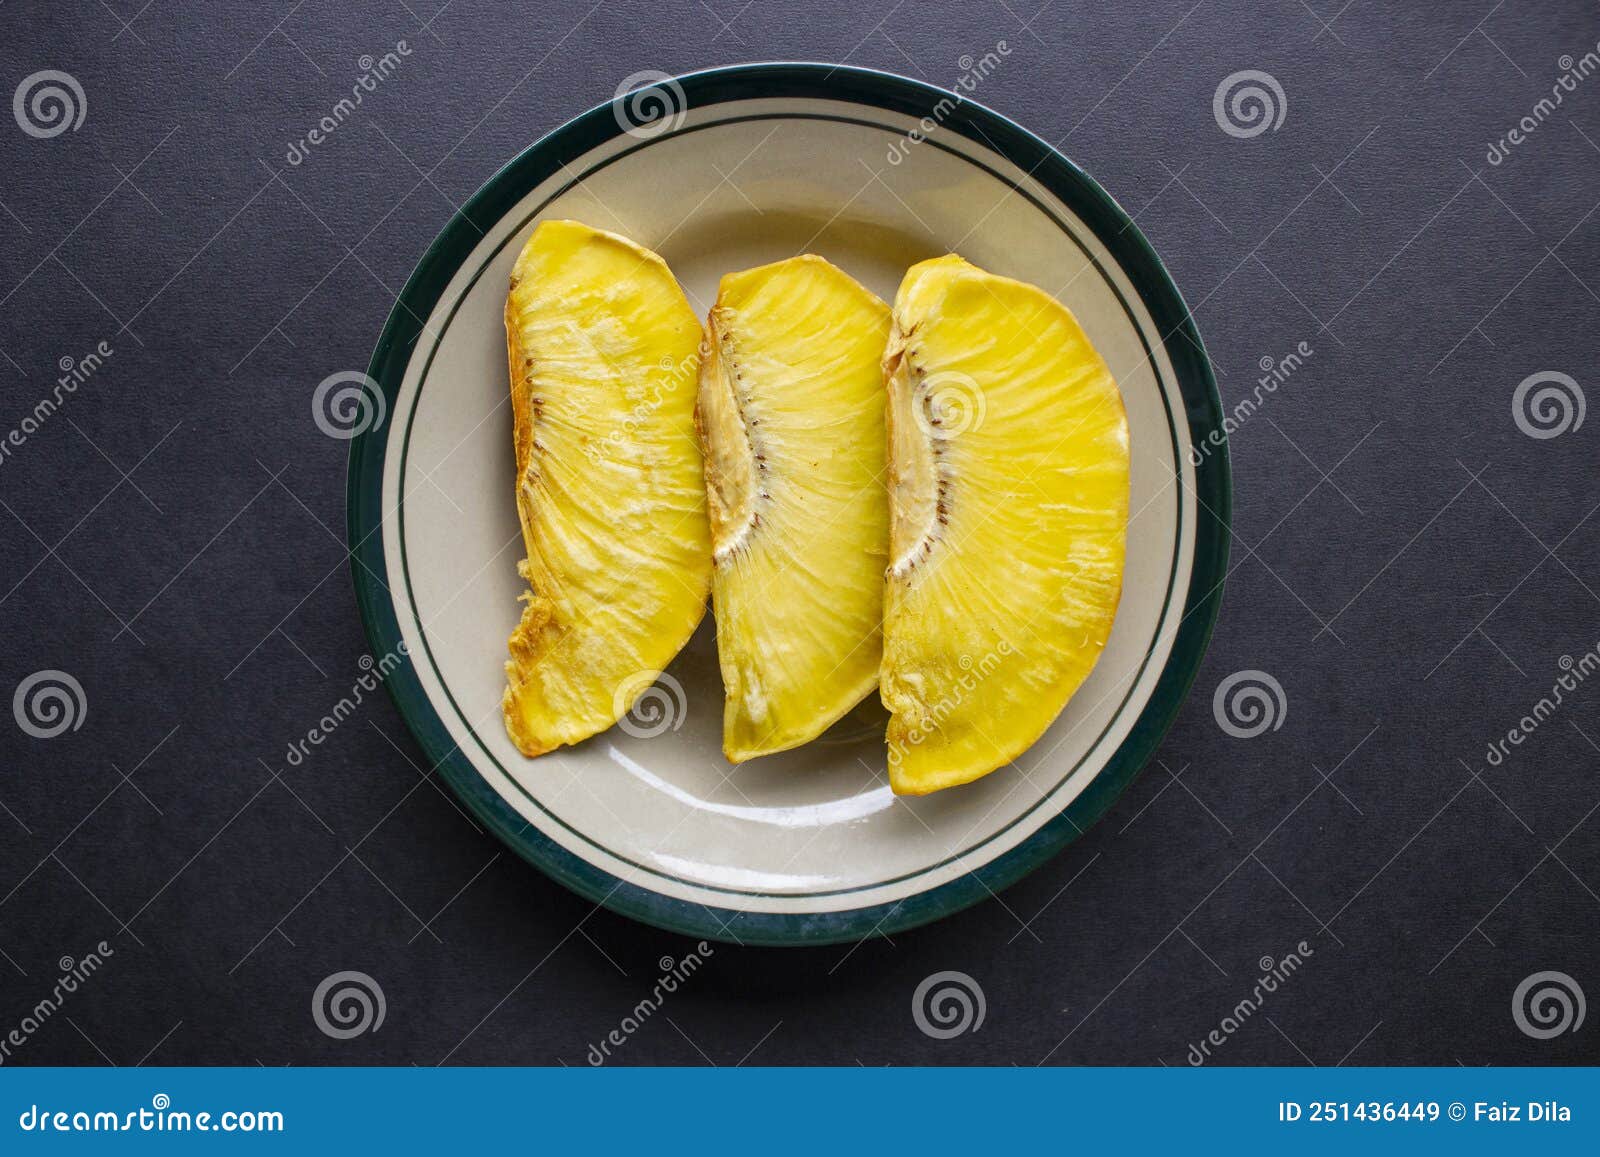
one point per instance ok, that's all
(604, 352)
(792, 420)
(1008, 462)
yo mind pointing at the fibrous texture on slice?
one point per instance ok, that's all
(1008, 466)
(605, 353)
(791, 416)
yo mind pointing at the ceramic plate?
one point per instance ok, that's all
(719, 171)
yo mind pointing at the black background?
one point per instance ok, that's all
(1408, 564)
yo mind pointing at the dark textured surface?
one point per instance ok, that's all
(1408, 563)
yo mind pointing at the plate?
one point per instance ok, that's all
(718, 171)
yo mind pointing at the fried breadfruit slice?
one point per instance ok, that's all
(1008, 465)
(791, 418)
(604, 352)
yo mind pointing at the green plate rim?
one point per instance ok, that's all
(1112, 227)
